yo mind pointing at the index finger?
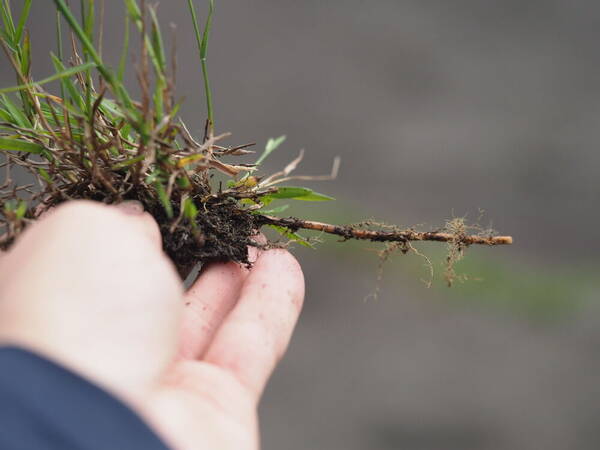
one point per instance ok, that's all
(256, 333)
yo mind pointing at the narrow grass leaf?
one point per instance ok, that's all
(315, 197)
(136, 16)
(25, 56)
(164, 199)
(68, 84)
(16, 145)
(9, 25)
(125, 52)
(45, 175)
(128, 162)
(277, 210)
(159, 62)
(88, 19)
(292, 236)
(21, 210)
(59, 48)
(112, 81)
(57, 76)
(111, 109)
(290, 192)
(18, 118)
(22, 20)
(202, 41)
(271, 146)
(5, 116)
(87, 45)
(157, 42)
(203, 56)
(190, 210)
(299, 193)
(133, 10)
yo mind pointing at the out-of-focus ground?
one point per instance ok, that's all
(437, 109)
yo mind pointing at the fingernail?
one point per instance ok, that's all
(132, 207)
(253, 254)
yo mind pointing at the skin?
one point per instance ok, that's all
(89, 287)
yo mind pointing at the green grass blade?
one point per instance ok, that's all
(159, 62)
(118, 87)
(290, 192)
(292, 236)
(45, 175)
(16, 145)
(21, 210)
(125, 52)
(136, 16)
(134, 10)
(276, 210)
(9, 25)
(87, 45)
(88, 18)
(203, 56)
(164, 199)
(57, 76)
(18, 118)
(111, 110)
(59, 49)
(190, 210)
(59, 43)
(68, 84)
(49, 112)
(155, 49)
(271, 146)
(22, 20)
(202, 41)
(128, 162)
(298, 193)
(25, 56)
(5, 116)
(315, 197)
(157, 42)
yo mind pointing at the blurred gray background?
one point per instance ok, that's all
(438, 109)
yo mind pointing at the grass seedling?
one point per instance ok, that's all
(92, 140)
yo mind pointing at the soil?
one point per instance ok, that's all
(223, 231)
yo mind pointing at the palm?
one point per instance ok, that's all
(107, 303)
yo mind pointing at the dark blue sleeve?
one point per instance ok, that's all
(44, 406)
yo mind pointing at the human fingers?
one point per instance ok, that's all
(207, 302)
(89, 286)
(256, 333)
(135, 209)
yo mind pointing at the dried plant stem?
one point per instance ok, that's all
(349, 232)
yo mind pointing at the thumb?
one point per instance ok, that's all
(89, 286)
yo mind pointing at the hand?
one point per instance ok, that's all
(89, 287)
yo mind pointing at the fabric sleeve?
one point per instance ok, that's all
(45, 406)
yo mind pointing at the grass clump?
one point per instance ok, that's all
(92, 140)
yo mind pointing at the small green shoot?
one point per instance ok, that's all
(272, 145)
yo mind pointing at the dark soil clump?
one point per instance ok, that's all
(222, 233)
(222, 230)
